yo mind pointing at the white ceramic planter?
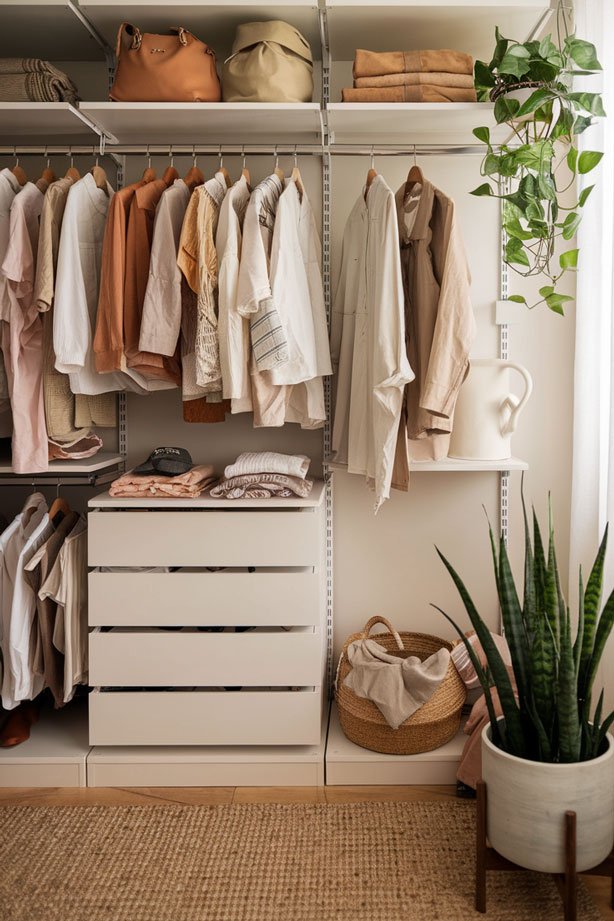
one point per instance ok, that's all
(527, 801)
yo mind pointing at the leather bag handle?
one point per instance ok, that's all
(137, 38)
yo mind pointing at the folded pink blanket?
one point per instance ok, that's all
(86, 446)
(188, 485)
(262, 486)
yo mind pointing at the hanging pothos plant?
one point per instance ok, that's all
(531, 86)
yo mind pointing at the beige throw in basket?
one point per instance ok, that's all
(434, 724)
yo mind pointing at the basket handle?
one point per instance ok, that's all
(378, 619)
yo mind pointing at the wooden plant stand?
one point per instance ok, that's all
(488, 859)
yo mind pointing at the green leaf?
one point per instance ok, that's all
(583, 53)
(581, 123)
(506, 109)
(514, 252)
(592, 601)
(491, 165)
(483, 76)
(604, 628)
(588, 102)
(572, 158)
(535, 211)
(483, 189)
(588, 160)
(544, 71)
(555, 302)
(546, 291)
(546, 46)
(535, 155)
(500, 49)
(517, 298)
(584, 195)
(567, 700)
(569, 259)
(514, 228)
(577, 649)
(547, 188)
(570, 225)
(482, 134)
(534, 101)
(513, 624)
(513, 725)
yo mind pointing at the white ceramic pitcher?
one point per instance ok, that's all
(487, 411)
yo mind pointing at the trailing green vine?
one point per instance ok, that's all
(544, 129)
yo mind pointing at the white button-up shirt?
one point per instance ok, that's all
(368, 341)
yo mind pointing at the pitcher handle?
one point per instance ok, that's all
(512, 402)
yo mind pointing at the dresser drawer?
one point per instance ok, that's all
(135, 658)
(204, 538)
(204, 598)
(205, 717)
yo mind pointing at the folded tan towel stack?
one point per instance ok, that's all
(411, 76)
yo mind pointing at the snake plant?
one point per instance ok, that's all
(549, 715)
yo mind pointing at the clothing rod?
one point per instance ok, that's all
(283, 150)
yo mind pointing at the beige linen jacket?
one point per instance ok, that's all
(439, 323)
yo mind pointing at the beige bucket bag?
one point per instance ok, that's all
(270, 62)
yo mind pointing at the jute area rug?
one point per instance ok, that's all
(358, 862)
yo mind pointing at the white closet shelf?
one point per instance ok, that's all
(213, 22)
(348, 764)
(47, 29)
(100, 461)
(55, 754)
(457, 465)
(398, 26)
(206, 122)
(45, 122)
(314, 500)
(411, 122)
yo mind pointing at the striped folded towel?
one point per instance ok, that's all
(269, 462)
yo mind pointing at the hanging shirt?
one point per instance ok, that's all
(197, 259)
(24, 342)
(60, 402)
(368, 341)
(161, 320)
(233, 329)
(440, 325)
(9, 187)
(66, 585)
(138, 247)
(18, 606)
(51, 664)
(76, 290)
(296, 285)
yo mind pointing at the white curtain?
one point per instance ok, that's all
(592, 500)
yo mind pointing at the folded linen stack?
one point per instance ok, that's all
(33, 80)
(265, 475)
(412, 76)
(187, 485)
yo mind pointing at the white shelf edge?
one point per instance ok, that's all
(314, 500)
(100, 461)
(454, 465)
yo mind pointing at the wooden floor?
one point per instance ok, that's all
(148, 796)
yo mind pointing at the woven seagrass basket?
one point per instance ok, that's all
(434, 724)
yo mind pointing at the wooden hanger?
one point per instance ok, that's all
(244, 170)
(278, 170)
(193, 177)
(47, 174)
(149, 174)
(17, 171)
(414, 177)
(371, 174)
(100, 177)
(222, 169)
(296, 177)
(72, 172)
(59, 509)
(169, 175)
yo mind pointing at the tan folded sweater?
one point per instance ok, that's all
(422, 93)
(379, 63)
(434, 79)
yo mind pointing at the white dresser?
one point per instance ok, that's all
(220, 563)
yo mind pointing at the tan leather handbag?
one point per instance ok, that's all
(270, 62)
(163, 68)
